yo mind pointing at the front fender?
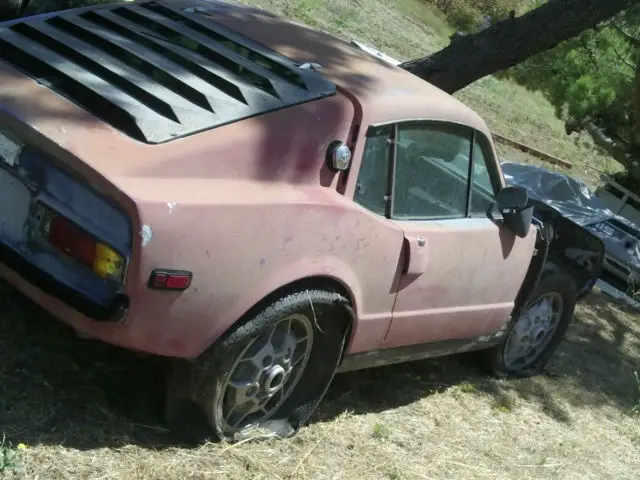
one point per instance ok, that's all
(573, 250)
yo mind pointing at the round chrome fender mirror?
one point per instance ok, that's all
(339, 156)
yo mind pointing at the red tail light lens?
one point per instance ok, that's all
(68, 238)
(178, 282)
(169, 280)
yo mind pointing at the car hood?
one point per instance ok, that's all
(569, 196)
(574, 200)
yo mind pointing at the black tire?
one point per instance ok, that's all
(559, 283)
(203, 380)
(10, 9)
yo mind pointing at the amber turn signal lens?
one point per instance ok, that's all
(107, 263)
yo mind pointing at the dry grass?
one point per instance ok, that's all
(86, 410)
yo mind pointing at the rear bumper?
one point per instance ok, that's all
(148, 326)
(127, 315)
(114, 333)
(130, 316)
(68, 296)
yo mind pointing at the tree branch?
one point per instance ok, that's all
(630, 38)
(624, 60)
(622, 152)
(616, 149)
(636, 106)
(512, 41)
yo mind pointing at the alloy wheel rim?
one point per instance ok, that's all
(533, 331)
(265, 373)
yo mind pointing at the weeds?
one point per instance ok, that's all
(9, 457)
(381, 431)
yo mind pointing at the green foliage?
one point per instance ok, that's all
(9, 458)
(468, 15)
(462, 15)
(591, 77)
(381, 431)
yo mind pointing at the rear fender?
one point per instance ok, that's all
(306, 272)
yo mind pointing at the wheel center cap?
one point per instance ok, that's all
(539, 334)
(274, 379)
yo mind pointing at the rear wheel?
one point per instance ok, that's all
(533, 337)
(264, 374)
(273, 368)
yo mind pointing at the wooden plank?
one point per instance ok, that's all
(533, 151)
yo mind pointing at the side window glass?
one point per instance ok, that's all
(371, 188)
(483, 183)
(432, 171)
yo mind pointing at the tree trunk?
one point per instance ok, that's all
(511, 41)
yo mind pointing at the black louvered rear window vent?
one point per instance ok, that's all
(155, 72)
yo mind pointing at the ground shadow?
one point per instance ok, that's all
(56, 388)
(593, 367)
(59, 389)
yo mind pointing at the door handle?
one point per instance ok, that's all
(416, 256)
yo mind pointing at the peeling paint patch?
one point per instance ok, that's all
(170, 206)
(146, 234)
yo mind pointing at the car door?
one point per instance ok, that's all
(463, 269)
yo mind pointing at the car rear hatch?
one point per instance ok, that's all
(154, 71)
(118, 80)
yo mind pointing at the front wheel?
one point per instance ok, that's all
(274, 367)
(532, 338)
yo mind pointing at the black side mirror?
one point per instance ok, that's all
(517, 212)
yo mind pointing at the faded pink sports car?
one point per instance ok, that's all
(265, 205)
